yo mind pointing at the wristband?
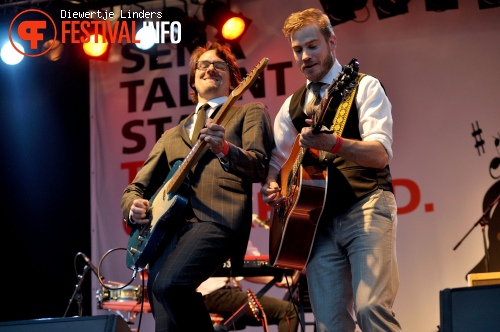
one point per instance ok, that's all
(337, 146)
(224, 152)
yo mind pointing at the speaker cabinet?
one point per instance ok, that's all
(105, 323)
(470, 309)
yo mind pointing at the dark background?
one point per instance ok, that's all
(45, 195)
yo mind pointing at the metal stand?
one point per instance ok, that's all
(483, 222)
(77, 294)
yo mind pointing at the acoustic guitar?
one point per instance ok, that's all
(303, 184)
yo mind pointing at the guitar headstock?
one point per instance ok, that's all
(342, 83)
(250, 78)
(256, 307)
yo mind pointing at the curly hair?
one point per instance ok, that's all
(311, 16)
(222, 52)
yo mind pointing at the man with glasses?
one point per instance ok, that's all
(215, 224)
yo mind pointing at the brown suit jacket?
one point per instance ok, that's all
(216, 195)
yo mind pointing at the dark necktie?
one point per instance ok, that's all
(200, 122)
(312, 105)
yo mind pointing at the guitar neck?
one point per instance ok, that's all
(264, 324)
(194, 155)
(191, 159)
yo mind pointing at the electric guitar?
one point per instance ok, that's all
(257, 310)
(303, 183)
(167, 201)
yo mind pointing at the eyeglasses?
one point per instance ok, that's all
(204, 65)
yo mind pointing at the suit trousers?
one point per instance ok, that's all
(188, 255)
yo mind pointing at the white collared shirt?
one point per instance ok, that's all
(213, 105)
(374, 113)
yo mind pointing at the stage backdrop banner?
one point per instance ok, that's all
(440, 73)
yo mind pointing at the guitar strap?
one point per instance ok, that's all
(343, 110)
(340, 120)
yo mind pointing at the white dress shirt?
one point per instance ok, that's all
(374, 113)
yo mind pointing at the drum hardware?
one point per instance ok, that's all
(125, 300)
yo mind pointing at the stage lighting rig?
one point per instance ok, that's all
(390, 8)
(440, 5)
(231, 26)
(342, 11)
(96, 47)
(485, 4)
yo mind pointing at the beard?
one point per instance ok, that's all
(324, 67)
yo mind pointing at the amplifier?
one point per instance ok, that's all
(104, 323)
(469, 309)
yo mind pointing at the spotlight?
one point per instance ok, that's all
(231, 26)
(147, 36)
(485, 4)
(10, 55)
(389, 8)
(342, 11)
(440, 5)
(96, 48)
(55, 53)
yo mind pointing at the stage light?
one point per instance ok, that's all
(95, 48)
(193, 33)
(55, 53)
(342, 11)
(440, 5)
(10, 55)
(147, 36)
(231, 26)
(389, 8)
(485, 4)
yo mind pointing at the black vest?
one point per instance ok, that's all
(348, 182)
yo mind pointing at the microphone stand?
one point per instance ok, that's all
(77, 293)
(483, 222)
